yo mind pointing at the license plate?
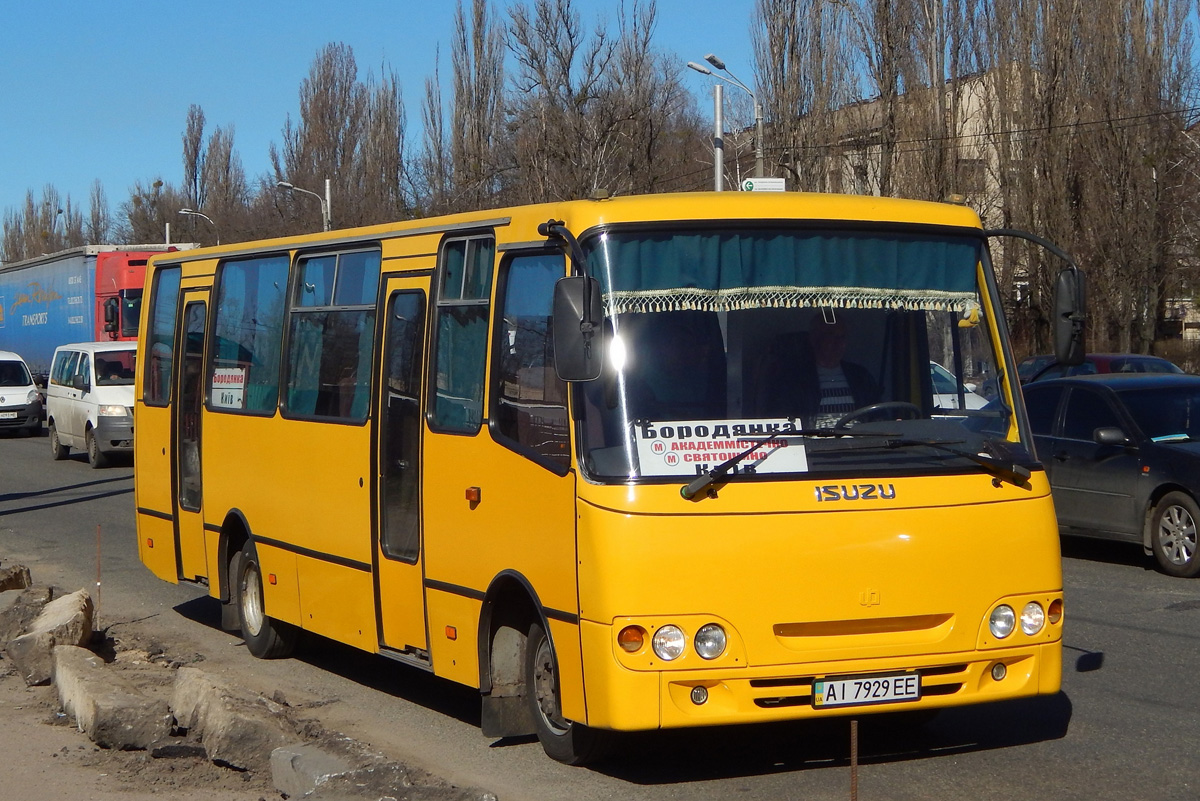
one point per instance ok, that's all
(864, 690)
(8, 415)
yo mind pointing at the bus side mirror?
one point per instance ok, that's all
(578, 329)
(112, 311)
(1070, 313)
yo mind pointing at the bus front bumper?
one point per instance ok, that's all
(628, 700)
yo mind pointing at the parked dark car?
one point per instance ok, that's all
(1122, 452)
(1040, 368)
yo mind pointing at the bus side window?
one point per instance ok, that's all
(160, 339)
(531, 401)
(461, 333)
(331, 337)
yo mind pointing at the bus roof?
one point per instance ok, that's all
(581, 215)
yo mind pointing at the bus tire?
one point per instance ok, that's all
(265, 637)
(1174, 533)
(96, 457)
(564, 741)
(58, 451)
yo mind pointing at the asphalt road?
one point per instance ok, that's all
(1125, 725)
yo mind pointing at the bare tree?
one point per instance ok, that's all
(52, 224)
(563, 130)
(477, 121)
(434, 171)
(99, 228)
(658, 129)
(194, 158)
(324, 142)
(150, 209)
(805, 74)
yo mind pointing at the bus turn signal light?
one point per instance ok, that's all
(631, 639)
(1056, 609)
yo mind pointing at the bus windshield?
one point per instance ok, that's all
(866, 351)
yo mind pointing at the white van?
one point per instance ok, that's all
(20, 399)
(89, 400)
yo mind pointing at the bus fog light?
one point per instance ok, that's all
(1002, 621)
(1032, 618)
(710, 641)
(699, 695)
(999, 671)
(669, 643)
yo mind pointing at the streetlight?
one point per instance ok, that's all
(732, 79)
(194, 213)
(323, 200)
(718, 130)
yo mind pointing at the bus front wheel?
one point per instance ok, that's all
(264, 636)
(563, 740)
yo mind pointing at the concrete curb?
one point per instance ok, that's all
(124, 710)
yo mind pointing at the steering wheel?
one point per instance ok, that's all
(902, 410)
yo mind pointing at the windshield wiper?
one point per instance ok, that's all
(703, 481)
(1006, 469)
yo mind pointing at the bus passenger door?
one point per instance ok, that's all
(398, 550)
(186, 451)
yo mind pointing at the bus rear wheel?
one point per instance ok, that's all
(265, 637)
(563, 740)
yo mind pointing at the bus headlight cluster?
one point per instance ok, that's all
(670, 642)
(1033, 617)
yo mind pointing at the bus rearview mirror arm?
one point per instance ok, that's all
(578, 346)
(1070, 300)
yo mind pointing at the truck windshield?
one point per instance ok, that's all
(859, 345)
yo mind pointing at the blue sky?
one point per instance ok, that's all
(100, 90)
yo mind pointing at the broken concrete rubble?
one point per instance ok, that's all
(236, 728)
(172, 711)
(63, 621)
(18, 608)
(125, 710)
(14, 577)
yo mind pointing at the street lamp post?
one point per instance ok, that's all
(732, 79)
(194, 213)
(324, 201)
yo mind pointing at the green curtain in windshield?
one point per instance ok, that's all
(723, 271)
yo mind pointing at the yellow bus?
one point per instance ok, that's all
(621, 464)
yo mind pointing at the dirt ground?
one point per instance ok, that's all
(46, 757)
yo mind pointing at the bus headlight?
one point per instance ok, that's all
(1032, 618)
(1002, 621)
(669, 643)
(710, 641)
